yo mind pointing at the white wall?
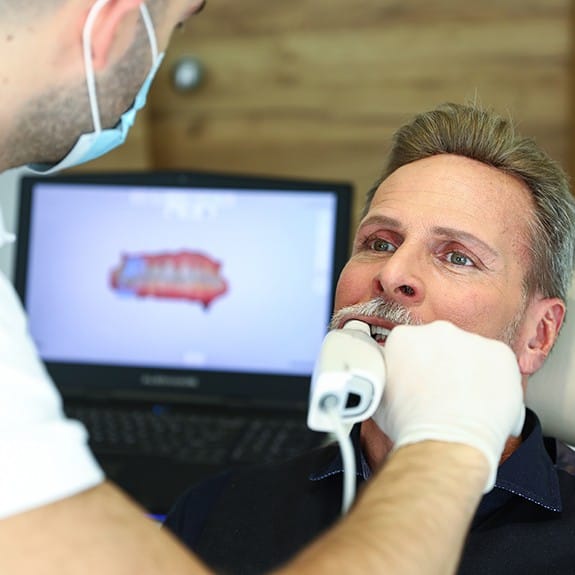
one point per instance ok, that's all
(9, 182)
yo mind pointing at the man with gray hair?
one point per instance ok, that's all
(472, 224)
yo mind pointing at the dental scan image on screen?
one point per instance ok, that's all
(175, 278)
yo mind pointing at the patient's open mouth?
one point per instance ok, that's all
(379, 333)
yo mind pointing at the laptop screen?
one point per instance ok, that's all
(170, 276)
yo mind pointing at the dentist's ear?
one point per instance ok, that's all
(544, 318)
(114, 24)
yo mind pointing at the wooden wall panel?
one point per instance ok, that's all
(315, 88)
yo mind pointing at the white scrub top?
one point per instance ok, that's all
(44, 456)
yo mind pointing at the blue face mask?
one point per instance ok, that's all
(99, 142)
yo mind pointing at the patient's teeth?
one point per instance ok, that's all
(378, 330)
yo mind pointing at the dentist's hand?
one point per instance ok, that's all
(447, 384)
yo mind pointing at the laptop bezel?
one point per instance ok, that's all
(180, 386)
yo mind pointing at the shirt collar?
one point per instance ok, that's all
(335, 466)
(529, 472)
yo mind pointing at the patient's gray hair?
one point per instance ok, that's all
(482, 135)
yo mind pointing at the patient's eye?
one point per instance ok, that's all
(459, 259)
(380, 245)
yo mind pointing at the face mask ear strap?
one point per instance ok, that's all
(88, 56)
(151, 32)
(88, 65)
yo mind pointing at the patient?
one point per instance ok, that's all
(469, 223)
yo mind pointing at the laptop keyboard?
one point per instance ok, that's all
(195, 438)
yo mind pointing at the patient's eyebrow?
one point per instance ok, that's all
(464, 237)
(381, 221)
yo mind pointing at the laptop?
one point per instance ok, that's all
(180, 314)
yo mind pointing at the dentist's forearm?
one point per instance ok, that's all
(411, 519)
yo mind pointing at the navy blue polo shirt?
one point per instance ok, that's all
(253, 520)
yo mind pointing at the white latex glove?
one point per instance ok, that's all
(447, 384)
(43, 456)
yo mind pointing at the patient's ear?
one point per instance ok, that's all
(109, 28)
(543, 320)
